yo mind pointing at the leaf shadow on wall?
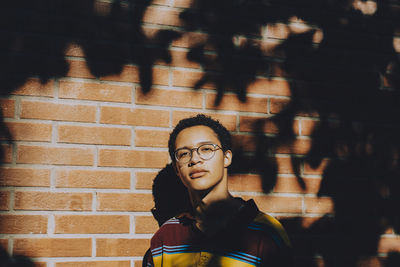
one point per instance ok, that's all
(347, 85)
(46, 39)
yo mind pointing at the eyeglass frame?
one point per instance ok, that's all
(197, 151)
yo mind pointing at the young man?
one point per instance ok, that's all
(220, 230)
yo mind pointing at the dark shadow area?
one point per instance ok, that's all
(14, 261)
(37, 34)
(346, 85)
(171, 197)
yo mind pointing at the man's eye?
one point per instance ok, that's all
(183, 154)
(206, 149)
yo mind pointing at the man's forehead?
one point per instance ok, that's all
(196, 135)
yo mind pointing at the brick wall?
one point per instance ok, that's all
(86, 140)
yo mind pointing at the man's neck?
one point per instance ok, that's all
(203, 200)
(213, 209)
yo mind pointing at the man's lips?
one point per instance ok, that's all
(197, 173)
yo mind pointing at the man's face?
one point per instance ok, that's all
(199, 174)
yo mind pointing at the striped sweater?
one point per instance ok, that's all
(251, 239)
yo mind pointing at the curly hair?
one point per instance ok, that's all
(222, 133)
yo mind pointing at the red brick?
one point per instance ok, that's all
(268, 47)
(277, 69)
(229, 121)
(285, 165)
(4, 200)
(145, 225)
(151, 138)
(396, 44)
(307, 222)
(144, 180)
(231, 102)
(282, 31)
(139, 117)
(245, 183)
(4, 244)
(132, 159)
(7, 108)
(319, 205)
(180, 59)
(292, 185)
(189, 79)
(57, 112)
(128, 74)
(270, 87)
(124, 202)
(190, 39)
(24, 177)
(372, 261)
(160, 2)
(95, 91)
(74, 50)
(160, 76)
(55, 155)
(318, 170)
(156, 15)
(183, 3)
(121, 247)
(247, 124)
(33, 87)
(23, 224)
(94, 264)
(53, 247)
(298, 146)
(91, 224)
(79, 69)
(307, 126)
(94, 135)
(7, 153)
(389, 244)
(277, 105)
(26, 131)
(52, 201)
(158, 97)
(245, 142)
(92, 179)
(279, 204)
(278, 30)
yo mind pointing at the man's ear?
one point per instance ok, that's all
(227, 158)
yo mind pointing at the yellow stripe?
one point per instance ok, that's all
(199, 259)
(271, 221)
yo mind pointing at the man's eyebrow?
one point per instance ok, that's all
(199, 144)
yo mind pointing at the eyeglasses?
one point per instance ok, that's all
(205, 152)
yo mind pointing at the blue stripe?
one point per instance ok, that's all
(241, 259)
(244, 257)
(248, 255)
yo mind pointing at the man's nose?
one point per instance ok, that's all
(195, 157)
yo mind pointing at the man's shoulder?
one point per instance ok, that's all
(173, 229)
(270, 226)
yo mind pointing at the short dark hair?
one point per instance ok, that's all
(222, 133)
